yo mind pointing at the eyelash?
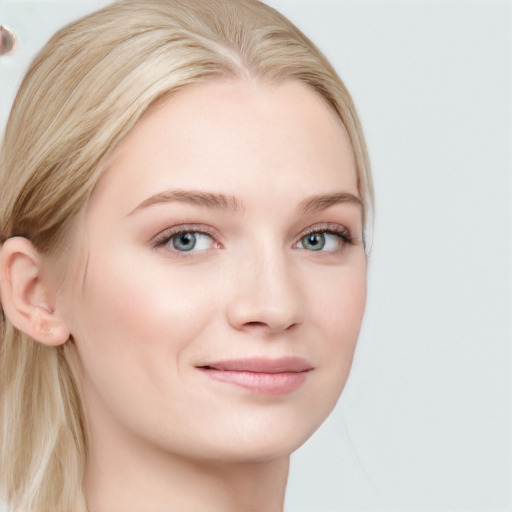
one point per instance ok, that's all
(165, 237)
(330, 229)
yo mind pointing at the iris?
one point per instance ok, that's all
(313, 241)
(184, 241)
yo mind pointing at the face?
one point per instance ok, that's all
(225, 276)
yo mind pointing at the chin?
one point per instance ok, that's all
(261, 439)
(256, 451)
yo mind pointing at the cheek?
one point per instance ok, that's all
(339, 299)
(139, 318)
(137, 323)
(338, 312)
(335, 304)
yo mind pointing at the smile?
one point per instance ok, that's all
(260, 375)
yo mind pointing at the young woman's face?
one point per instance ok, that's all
(225, 276)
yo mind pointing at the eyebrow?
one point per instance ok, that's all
(312, 204)
(196, 197)
(322, 202)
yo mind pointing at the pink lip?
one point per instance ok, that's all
(260, 375)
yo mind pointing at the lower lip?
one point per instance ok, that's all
(265, 383)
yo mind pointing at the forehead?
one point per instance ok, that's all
(236, 137)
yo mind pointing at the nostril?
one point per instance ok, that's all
(255, 324)
(272, 326)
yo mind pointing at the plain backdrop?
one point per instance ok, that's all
(424, 422)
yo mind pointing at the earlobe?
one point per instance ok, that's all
(28, 298)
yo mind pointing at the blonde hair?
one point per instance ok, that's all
(81, 96)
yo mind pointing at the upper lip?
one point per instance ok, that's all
(261, 365)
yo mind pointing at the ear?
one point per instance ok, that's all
(28, 297)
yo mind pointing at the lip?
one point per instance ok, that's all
(260, 375)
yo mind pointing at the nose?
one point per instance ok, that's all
(266, 296)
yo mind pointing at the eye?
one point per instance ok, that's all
(189, 241)
(186, 240)
(325, 240)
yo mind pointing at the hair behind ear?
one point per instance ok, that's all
(42, 440)
(42, 435)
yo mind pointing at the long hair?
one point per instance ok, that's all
(82, 94)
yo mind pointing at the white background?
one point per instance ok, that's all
(424, 422)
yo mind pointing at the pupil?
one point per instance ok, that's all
(184, 242)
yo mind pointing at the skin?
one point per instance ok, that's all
(144, 317)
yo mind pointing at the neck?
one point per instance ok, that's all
(125, 477)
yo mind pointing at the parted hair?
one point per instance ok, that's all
(82, 94)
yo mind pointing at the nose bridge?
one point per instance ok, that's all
(267, 293)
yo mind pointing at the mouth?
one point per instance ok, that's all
(260, 375)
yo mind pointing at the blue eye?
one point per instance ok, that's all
(325, 241)
(185, 241)
(191, 240)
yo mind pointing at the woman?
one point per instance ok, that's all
(183, 267)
